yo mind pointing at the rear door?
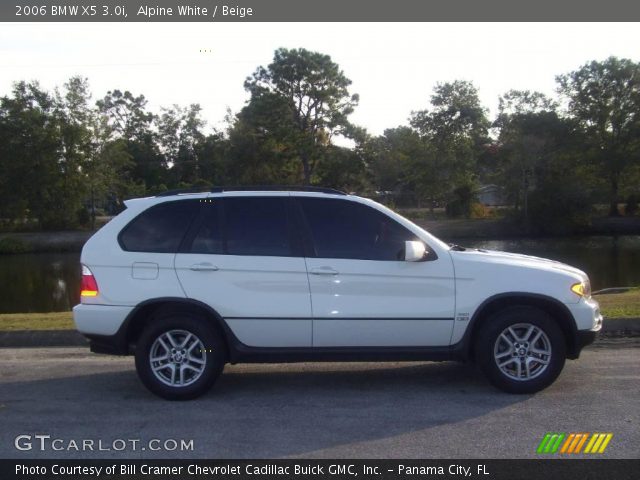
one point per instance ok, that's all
(244, 259)
(363, 293)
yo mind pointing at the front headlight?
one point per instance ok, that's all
(582, 289)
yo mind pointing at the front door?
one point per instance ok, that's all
(363, 293)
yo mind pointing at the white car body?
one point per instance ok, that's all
(302, 304)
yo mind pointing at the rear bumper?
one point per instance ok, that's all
(104, 326)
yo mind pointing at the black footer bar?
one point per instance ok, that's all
(547, 469)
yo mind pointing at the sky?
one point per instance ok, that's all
(393, 66)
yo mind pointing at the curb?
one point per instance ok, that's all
(42, 338)
(611, 327)
(621, 327)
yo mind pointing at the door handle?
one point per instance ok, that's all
(323, 271)
(203, 267)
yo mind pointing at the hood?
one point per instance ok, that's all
(519, 260)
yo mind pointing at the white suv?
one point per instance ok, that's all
(192, 281)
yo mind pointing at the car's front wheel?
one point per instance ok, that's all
(521, 349)
(179, 357)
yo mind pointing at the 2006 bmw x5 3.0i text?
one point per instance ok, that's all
(188, 282)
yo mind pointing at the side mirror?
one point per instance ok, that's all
(414, 251)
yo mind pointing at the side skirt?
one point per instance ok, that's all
(241, 353)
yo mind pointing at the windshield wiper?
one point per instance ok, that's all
(456, 248)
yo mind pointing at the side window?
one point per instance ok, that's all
(160, 228)
(208, 238)
(344, 229)
(256, 226)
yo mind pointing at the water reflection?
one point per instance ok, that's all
(39, 282)
(609, 261)
(49, 282)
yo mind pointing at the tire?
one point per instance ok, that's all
(186, 368)
(520, 349)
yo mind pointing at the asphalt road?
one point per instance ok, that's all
(336, 410)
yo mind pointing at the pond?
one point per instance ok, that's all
(47, 282)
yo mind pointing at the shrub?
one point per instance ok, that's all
(479, 210)
(461, 202)
(10, 245)
(559, 207)
(631, 208)
(84, 217)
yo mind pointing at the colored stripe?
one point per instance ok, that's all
(547, 447)
(605, 443)
(591, 442)
(550, 443)
(574, 443)
(557, 444)
(584, 439)
(566, 444)
(596, 445)
(543, 443)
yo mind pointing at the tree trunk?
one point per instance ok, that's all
(93, 210)
(306, 167)
(613, 206)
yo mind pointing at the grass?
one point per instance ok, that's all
(621, 305)
(36, 321)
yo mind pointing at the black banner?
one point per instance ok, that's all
(557, 469)
(315, 11)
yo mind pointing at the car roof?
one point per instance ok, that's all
(253, 188)
(199, 193)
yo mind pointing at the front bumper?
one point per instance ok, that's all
(588, 319)
(586, 314)
(584, 338)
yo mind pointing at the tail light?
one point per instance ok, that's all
(89, 286)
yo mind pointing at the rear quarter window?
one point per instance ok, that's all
(159, 229)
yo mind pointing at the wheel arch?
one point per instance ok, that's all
(556, 309)
(146, 311)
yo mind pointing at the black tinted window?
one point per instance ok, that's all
(160, 228)
(344, 229)
(208, 238)
(256, 226)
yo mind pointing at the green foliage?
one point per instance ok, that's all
(631, 208)
(298, 103)
(559, 206)
(453, 133)
(461, 202)
(604, 98)
(64, 158)
(84, 216)
(9, 245)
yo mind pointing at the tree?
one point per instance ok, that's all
(28, 148)
(527, 123)
(181, 136)
(454, 132)
(300, 100)
(129, 120)
(539, 163)
(127, 114)
(604, 98)
(521, 102)
(456, 114)
(76, 120)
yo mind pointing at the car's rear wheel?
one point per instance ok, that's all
(521, 349)
(179, 357)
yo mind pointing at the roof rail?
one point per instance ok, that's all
(258, 188)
